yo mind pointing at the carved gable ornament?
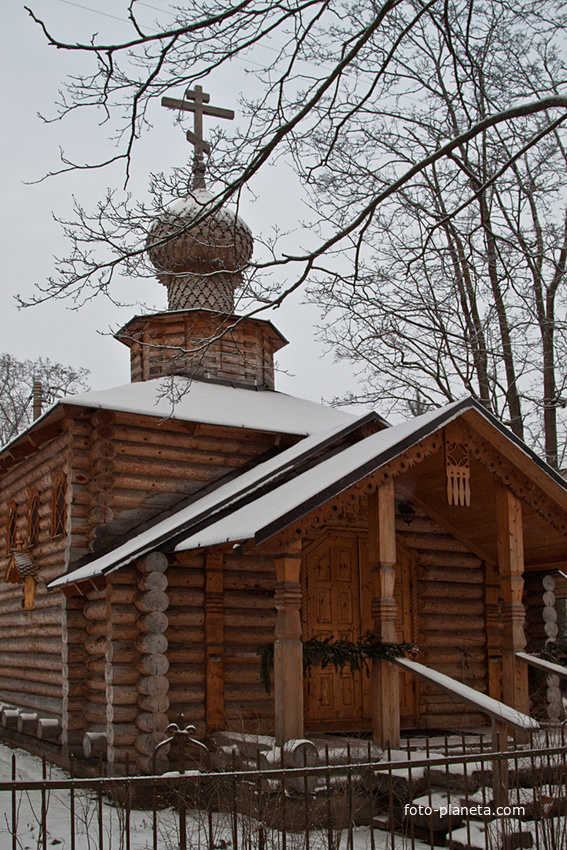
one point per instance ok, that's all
(457, 464)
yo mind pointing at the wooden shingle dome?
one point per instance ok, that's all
(200, 252)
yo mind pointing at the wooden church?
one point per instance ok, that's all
(150, 549)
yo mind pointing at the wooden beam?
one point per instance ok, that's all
(288, 648)
(382, 561)
(510, 542)
(214, 640)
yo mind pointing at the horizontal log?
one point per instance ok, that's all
(193, 618)
(184, 674)
(187, 695)
(49, 676)
(449, 589)
(452, 560)
(23, 686)
(186, 597)
(243, 581)
(119, 632)
(257, 600)
(465, 640)
(253, 619)
(185, 578)
(121, 594)
(460, 623)
(195, 654)
(122, 734)
(119, 674)
(25, 650)
(428, 539)
(457, 575)
(111, 713)
(34, 702)
(448, 607)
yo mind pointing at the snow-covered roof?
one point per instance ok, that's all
(306, 491)
(217, 404)
(258, 503)
(209, 505)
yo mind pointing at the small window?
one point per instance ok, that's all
(12, 527)
(33, 520)
(59, 506)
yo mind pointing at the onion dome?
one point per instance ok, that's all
(201, 263)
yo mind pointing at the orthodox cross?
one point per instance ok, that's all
(196, 101)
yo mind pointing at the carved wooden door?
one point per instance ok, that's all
(338, 604)
(334, 699)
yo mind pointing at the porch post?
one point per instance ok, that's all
(288, 649)
(382, 558)
(511, 568)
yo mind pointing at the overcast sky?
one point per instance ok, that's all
(33, 72)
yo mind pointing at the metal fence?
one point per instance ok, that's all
(411, 800)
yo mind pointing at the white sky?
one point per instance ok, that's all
(29, 238)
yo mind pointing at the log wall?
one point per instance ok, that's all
(31, 674)
(185, 635)
(249, 623)
(450, 622)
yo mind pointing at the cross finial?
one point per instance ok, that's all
(196, 101)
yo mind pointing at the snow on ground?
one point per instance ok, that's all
(29, 807)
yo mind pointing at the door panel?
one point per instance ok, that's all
(333, 606)
(339, 596)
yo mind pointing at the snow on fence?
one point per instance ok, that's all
(409, 799)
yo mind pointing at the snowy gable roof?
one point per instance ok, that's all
(217, 404)
(260, 502)
(222, 498)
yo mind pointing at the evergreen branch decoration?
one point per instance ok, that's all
(341, 653)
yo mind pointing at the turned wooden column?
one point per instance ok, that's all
(214, 640)
(492, 616)
(288, 648)
(382, 560)
(511, 568)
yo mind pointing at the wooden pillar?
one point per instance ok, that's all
(214, 641)
(511, 568)
(382, 559)
(288, 648)
(494, 650)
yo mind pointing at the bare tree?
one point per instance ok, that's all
(405, 118)
(17, 379)
(461, 285)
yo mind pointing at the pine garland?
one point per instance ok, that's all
(341, 653)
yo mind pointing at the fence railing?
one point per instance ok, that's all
(412, 799)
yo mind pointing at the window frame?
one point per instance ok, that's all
(59, 505)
